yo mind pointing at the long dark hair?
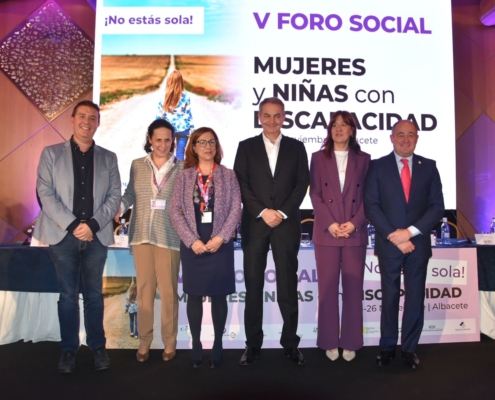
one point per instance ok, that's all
(133, 293)
(349, 120)
(159, 123)
(191, 157)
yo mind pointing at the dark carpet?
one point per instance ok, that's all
(448, 371)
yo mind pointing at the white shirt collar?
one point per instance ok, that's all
(268, 141)
(399, 158)
(165, 167)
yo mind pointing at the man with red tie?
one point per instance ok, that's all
(403, 200)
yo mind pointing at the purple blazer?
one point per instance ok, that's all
(331, 205)
(227, 205)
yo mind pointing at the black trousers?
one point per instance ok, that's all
(285, 251)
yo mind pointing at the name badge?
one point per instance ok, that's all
(158, 204)
(207, 217)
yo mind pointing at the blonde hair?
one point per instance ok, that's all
(173, 91)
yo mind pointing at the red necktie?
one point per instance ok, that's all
(405, 177)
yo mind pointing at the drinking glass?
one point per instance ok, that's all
(305, 241)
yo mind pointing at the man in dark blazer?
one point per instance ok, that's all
(403, 200)
(273, 174)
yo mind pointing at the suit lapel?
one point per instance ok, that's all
(218, 188)
(263, 158)
(416, 175)
(96, 168)
(283, 156)
(69, 168)
(189, 190)
(349, 173)
(333, 174)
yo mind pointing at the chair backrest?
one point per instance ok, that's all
(307, 226)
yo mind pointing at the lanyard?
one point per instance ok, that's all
(203, 187)
(165, 178)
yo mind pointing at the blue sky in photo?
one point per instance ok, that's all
(220, 19)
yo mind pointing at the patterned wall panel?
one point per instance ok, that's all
(49, 58)
(13, 12)
(25, 130)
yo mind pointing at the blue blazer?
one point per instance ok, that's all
(55, 186)
(331, 205)
(386, 207)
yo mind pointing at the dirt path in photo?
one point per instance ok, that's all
(116, 324)
(123, 124)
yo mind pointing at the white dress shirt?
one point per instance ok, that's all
(272, 150)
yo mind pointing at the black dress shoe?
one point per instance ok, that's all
(295, 356)
(214, 363)
(67, 362)
(195, 363)
(383, 358)
(411, 360)
(101, 359)
(250, 354)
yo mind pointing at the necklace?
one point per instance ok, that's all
(203, 190)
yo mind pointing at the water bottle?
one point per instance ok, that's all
(492, 226)
(445, 231)
(122, 228)
(371, 235)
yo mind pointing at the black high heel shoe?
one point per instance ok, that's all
(216, 356)
(195, 359)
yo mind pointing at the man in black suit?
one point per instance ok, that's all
(403, 200)
(273, 174)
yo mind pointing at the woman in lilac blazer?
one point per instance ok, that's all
(339, 235)
(205, 210)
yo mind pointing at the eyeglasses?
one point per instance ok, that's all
(202, 143)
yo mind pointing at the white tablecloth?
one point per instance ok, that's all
(31, 317)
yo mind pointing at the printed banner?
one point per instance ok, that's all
(382, 61)
(451, 303)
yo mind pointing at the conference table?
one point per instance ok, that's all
(460, 285)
